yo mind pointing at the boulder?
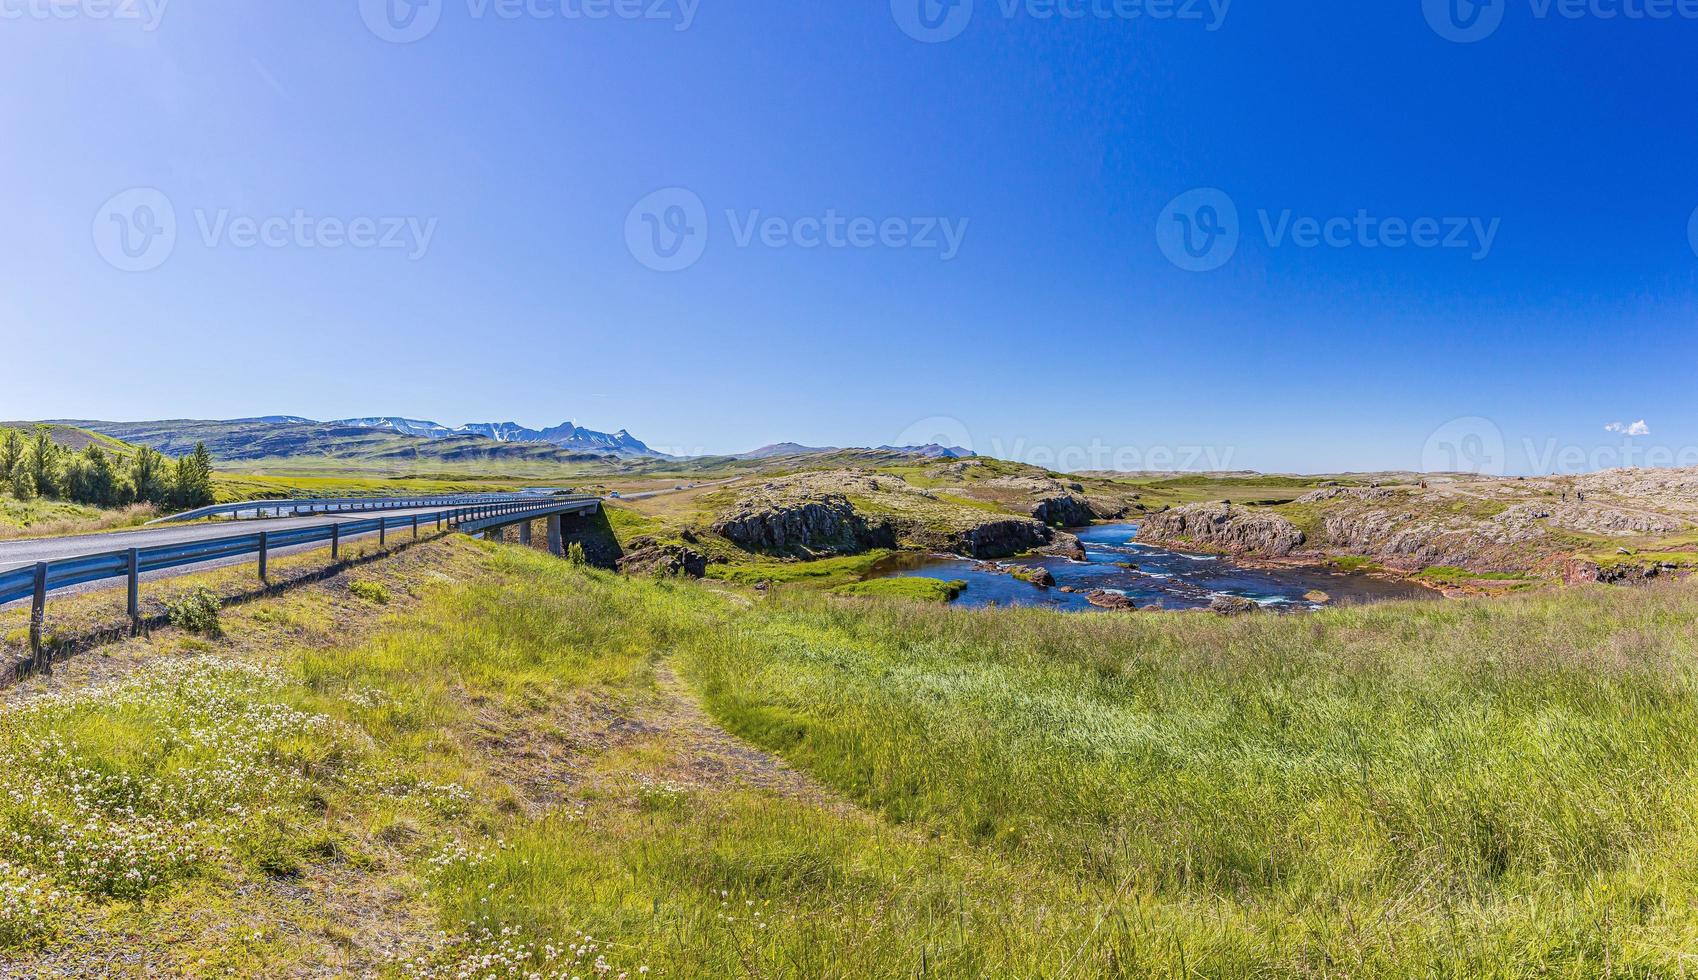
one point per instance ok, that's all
(1037, 575)
(670, 559)
(1232, 605)
(1110, 600)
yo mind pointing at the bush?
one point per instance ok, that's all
(371, 592)
(196, 612)
(575, 554)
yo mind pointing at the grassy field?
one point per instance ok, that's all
(492, 745)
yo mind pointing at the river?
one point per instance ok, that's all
(1158, 578)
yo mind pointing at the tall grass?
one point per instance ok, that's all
(1428, 788)
(1438, 789)
(54, 518)
(1462, 789)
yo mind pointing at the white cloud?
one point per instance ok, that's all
(1638, 428)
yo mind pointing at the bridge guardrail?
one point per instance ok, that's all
(329, 505)
(36, 581)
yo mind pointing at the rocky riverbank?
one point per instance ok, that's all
(1614, 527)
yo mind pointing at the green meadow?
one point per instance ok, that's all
(482, 761)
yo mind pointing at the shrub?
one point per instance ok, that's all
(575, 554)
(372, 592)
(196, 612)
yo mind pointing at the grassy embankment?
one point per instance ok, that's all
(40, 518)
(1463, 789)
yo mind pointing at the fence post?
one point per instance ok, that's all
(335, 542)
(133, 570)
(38, 616)
(383, 532)
(264, 553)
(415, 527)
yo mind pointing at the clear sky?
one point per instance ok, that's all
(449, 211)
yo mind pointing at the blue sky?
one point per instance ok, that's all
(464, 227)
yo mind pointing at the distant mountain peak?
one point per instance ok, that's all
(567, 435)
(783, 449)
(933, 450)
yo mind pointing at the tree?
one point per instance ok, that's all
(11, 456)
(149, 476)
(191, 479)
(21, 482)
(93, 477)
(44, 462)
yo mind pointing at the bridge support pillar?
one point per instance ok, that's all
(525, 534)
(556, 546)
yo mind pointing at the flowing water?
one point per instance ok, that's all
(1157, 578)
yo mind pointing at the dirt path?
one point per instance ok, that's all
(347, 920)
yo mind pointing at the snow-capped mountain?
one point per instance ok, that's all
(406, 427)
(566, 435)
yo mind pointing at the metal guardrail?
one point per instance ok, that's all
(44, 577)
(337, 505)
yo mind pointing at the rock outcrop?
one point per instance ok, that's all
(1067, 510)
(825, 525)
(1064, 545)
(1001, 539)
(835, 512)
(1223, 527)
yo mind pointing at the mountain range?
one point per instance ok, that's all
(566, 435)
(398, 438)
(382, 437)
(932, 451)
